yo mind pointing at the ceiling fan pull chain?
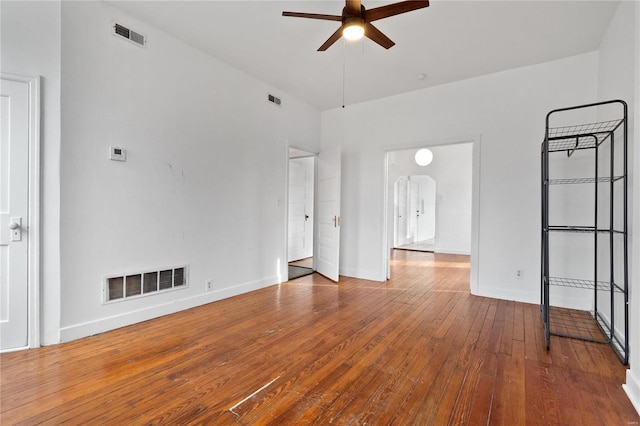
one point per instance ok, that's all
(344, 68)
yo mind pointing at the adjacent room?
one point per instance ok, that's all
(221, 212)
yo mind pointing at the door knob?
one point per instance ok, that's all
(15, 224)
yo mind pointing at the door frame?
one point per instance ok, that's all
(33, 200)
(475, 141)
(285, 274)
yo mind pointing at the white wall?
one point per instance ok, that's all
(619, 78)
(616, 81)
(204, 183)
(451, 169)
(30, 45)
(507, 109)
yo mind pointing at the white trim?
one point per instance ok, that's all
(501, 293)
(386, 261)
(632, 389)
(632, 386)
(475, 141)
(101, 325)
(33, 232)
(474, 275)
(21, 348)
(283, 273)
(363, 274)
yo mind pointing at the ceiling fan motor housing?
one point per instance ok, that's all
(347, 13)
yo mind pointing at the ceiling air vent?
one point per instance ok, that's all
(274, 99)
(128, 34)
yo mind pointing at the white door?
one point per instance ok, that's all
(300, 229)
(328, 218)
(414, 208)
(402, 212)
(14, 186)
(427, 207)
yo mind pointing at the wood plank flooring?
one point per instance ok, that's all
(425, 245)
(415, 350)
(307, 262)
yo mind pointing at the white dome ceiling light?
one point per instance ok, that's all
(424, 157)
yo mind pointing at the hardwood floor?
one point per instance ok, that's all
(416, 350)
(307, 262)
(426, 245)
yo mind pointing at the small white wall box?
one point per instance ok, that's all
(117, 154)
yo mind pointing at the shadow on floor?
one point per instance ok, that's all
(298, 271)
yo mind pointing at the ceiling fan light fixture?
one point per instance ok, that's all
(353, 29)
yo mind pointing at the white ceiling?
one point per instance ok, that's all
(448, 41)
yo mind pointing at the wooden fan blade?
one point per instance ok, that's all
(313, 16)
(376, 35)
(334, 37)
(376, 13)
(353, 7)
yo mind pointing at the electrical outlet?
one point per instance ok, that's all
(519, 273)
(208, 285)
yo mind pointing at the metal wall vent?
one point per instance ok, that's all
(128, 34)
(274, 99)
(120, 287)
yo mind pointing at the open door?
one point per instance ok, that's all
(328, 216)
(17, 139)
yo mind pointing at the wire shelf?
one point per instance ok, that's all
(584, 180)
(581, 229)
(585, 284)
(582, 136)
(578, 229)
(575, 324)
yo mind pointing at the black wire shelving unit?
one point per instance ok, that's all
(604, 143)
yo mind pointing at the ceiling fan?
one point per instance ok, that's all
(356, 20)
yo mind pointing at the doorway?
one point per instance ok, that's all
(455, 169)
(414, 204)
(300, 226)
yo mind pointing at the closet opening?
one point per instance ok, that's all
(300, 227)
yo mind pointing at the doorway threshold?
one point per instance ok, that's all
(426, 245)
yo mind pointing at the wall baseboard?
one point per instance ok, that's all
(506, 294)
(102, 325)
(632, 389)
(451, 251)
(362, 274)
(532, 297)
